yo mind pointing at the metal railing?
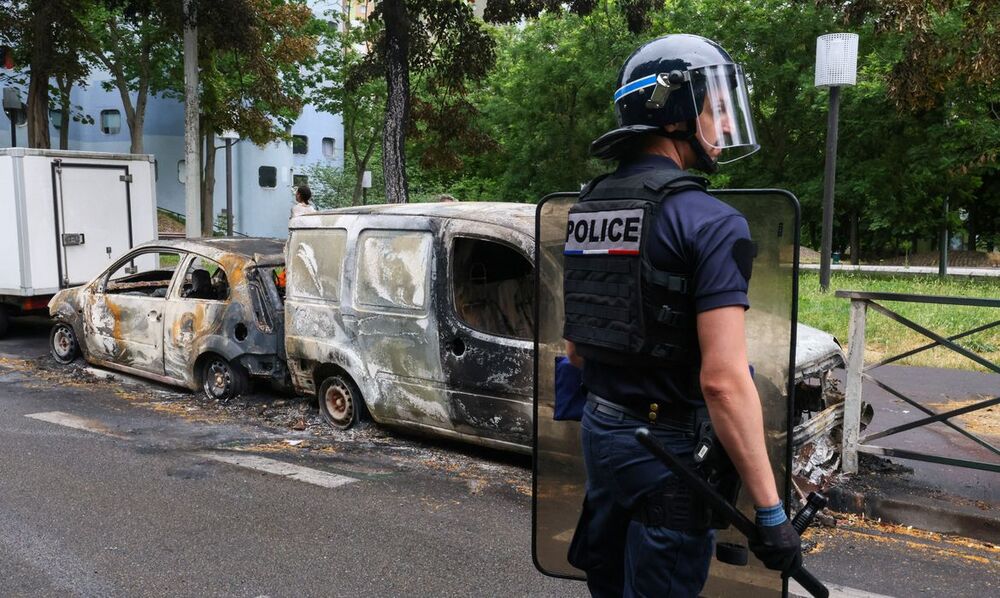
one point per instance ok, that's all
(181, 218)
(858, 372)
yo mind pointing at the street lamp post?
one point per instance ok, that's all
(230, 137)
(11, 104)
(366, 183)
(836, 66)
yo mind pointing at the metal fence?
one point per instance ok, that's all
(858, 372)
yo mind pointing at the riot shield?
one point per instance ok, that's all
(559, 477)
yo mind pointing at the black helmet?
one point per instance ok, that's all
(668, 80)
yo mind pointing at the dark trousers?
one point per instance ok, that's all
(623, 557)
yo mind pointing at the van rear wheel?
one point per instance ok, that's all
(340, 402)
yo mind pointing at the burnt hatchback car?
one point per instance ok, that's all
(201, 313)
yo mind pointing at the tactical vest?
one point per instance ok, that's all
(619, 308)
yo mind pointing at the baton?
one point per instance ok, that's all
(721, 506)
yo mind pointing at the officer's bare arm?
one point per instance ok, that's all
(732, 399)
(571, 353)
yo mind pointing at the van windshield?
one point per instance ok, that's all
(493, 288)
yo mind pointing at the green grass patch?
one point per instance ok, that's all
(884, 337)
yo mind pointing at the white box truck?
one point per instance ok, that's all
(64, 217)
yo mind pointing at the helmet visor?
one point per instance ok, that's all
(725, 124)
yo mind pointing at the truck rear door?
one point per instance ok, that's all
(93, 217)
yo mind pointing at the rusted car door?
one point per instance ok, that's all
(123, 316)
(485, 291)
(194, 310)
(397, 328)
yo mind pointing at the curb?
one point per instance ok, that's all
(923, 513)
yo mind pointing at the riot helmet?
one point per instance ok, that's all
(682, 79)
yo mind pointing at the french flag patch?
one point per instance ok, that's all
(611, 232)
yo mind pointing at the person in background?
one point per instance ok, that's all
(303, 202)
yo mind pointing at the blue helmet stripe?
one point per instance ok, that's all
(635, 86)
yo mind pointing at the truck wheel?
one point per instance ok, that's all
(340, 401)
(4, 321)
(62, 341)
(222, 380)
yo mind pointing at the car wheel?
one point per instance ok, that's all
(62, 340)
(340, 402)
(222, 380)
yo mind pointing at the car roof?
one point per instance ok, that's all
(263, 250)
(517, 216)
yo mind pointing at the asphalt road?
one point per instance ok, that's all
(126, 489)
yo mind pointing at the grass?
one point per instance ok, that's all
(884, 337)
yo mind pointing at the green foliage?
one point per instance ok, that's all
(547, 98)
(883, 337)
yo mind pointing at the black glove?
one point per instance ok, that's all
(778, 547)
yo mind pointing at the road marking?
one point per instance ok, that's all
(836, 591)
(288, 470)
(74, 421)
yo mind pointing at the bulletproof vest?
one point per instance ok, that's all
(619, 308)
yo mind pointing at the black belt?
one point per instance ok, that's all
(682, 419)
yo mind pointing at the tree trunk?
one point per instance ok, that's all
(397, 106)
(208, 186)
(361, 165)
(855, 248)
(38, 87)
(65, 88)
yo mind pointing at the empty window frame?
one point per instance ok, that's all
(205, 280)
(300, 145)
(316, 265)
(493, 288)
(111, 122)
(300, 180)
(145, 275)
(329, 147)
(392, 269)
(267, 177)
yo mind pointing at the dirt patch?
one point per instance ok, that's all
(169, 224)
(985, 422)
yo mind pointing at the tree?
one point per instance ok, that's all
(249, 55)
(48, 36)
(341, 81)
(438, 37)
(135, 42)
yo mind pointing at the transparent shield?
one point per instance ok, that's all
(558, 461)
(559, 474)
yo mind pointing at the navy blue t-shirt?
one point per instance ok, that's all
(694, 232)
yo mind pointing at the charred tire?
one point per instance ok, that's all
(63, 344)
(222, 380)
(340, 402)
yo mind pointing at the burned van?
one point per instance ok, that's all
(418, 315)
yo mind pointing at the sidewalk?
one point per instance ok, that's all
(904, 270)
(929, 496)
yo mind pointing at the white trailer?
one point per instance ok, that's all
(64, 216)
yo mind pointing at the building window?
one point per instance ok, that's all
(329, 147)
(267, 176)
(300, 144)
(300, 180)
(55, 117)
(111, 122)
(182, 172)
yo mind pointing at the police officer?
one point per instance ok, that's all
(656, 280)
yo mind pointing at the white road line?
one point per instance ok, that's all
(836, 591)
(288, 470)
(74, 421)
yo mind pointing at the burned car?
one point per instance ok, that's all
(421, 316)
(203, 313)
